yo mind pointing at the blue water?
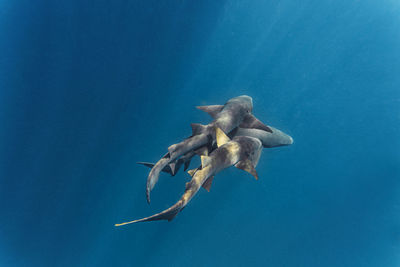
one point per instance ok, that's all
(88, 88)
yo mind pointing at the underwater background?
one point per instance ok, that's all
(88, 88)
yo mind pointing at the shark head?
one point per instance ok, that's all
(274, 139)
(277, 138)
(244, 100)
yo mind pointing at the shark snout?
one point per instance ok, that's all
(246, 98)
(289, 140)
(281, 138)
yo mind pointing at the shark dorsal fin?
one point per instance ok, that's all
(221, 137)
(205, 160)
(207, 184)
(212, 110)
(250, 121)
(247, 166)
(197, 128)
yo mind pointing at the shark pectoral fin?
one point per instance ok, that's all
(202, 151)
(197, 128)
(212, 110)
(221, 137)
(207, 184)
(172, 167)
(205, 160)
(247, 166)
(250, 121)
(147, 164)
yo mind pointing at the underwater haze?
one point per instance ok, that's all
(89, 88)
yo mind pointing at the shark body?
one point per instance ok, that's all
(236, 112)
(275, 138)
(242, 151)
(235, 137)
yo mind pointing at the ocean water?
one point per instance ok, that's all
(88, 88)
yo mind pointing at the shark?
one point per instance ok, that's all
(235, 112)
(276, 138)
(242, 151)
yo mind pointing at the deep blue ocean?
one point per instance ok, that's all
(88, 88)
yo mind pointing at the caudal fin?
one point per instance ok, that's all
(167, 214)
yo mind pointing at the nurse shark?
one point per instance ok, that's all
(241, 148)
(236, 112)
(275, 138)
(241, 151)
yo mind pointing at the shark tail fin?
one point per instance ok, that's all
(168, 214)
(221, 137)
(198, 128)
(212, 110)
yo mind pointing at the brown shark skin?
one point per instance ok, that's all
(231, 115)
(239, 149)
(275, 139)
(184, 147)
(269, 140)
